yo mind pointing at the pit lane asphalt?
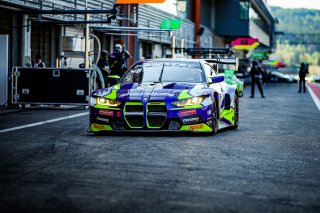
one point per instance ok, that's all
(271, 163)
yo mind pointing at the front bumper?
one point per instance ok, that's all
(136, 117)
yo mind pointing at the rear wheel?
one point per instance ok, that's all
(214, 124)
(236, 112)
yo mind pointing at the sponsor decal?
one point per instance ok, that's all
(157, 113)
(209, 112)
(197, 126)
(190, 120)
(187, 112)
(102, 119)
(98, 126)
(155, 103)
(105, 112)
(160, 94)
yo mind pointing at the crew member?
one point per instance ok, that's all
(38, 62)
(302, 76)
(104, 65)
(256, 76)
(118, 60)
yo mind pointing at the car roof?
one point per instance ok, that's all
(174, 60)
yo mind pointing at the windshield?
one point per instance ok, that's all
(164, 72)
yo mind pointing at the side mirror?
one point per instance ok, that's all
(217, 79)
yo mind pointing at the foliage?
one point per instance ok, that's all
(298, 21)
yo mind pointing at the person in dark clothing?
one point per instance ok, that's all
(256, 76)
(38, 62)
(302, 75)
(118, 60)
(104, 65)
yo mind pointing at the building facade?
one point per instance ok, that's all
(244, 18)
(59, 37)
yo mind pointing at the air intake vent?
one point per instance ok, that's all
(156, 114)
(133, 114)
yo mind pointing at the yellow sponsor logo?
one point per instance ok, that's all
(98, 126)
(197, 126)
(138, 1)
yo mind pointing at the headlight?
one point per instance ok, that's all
(107, 102)
(189, 101)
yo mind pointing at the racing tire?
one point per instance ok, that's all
(215, 120)
(236, 112)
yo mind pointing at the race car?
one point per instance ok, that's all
(166, 95)
(232, 79)
(227, 66)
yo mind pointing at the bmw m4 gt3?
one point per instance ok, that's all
(166, 95)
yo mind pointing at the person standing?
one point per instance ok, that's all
(118, 60)
(103, 65)
(38, 62)
(256, 76)
(303, 71)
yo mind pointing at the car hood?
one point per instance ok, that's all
(153, 91)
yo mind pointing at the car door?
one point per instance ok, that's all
(217, 87)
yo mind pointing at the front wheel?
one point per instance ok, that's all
(236, 112)
(214, 124)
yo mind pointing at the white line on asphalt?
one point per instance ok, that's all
(43, 122)
(314, 97)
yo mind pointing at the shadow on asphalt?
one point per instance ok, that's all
(14, 110)
(155, 134)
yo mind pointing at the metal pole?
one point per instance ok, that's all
(126, 41)
(87, 41)
(136, 39)
(182, 46)
(197, 22)
(38, 22)
(173, 46)
(26, 39)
